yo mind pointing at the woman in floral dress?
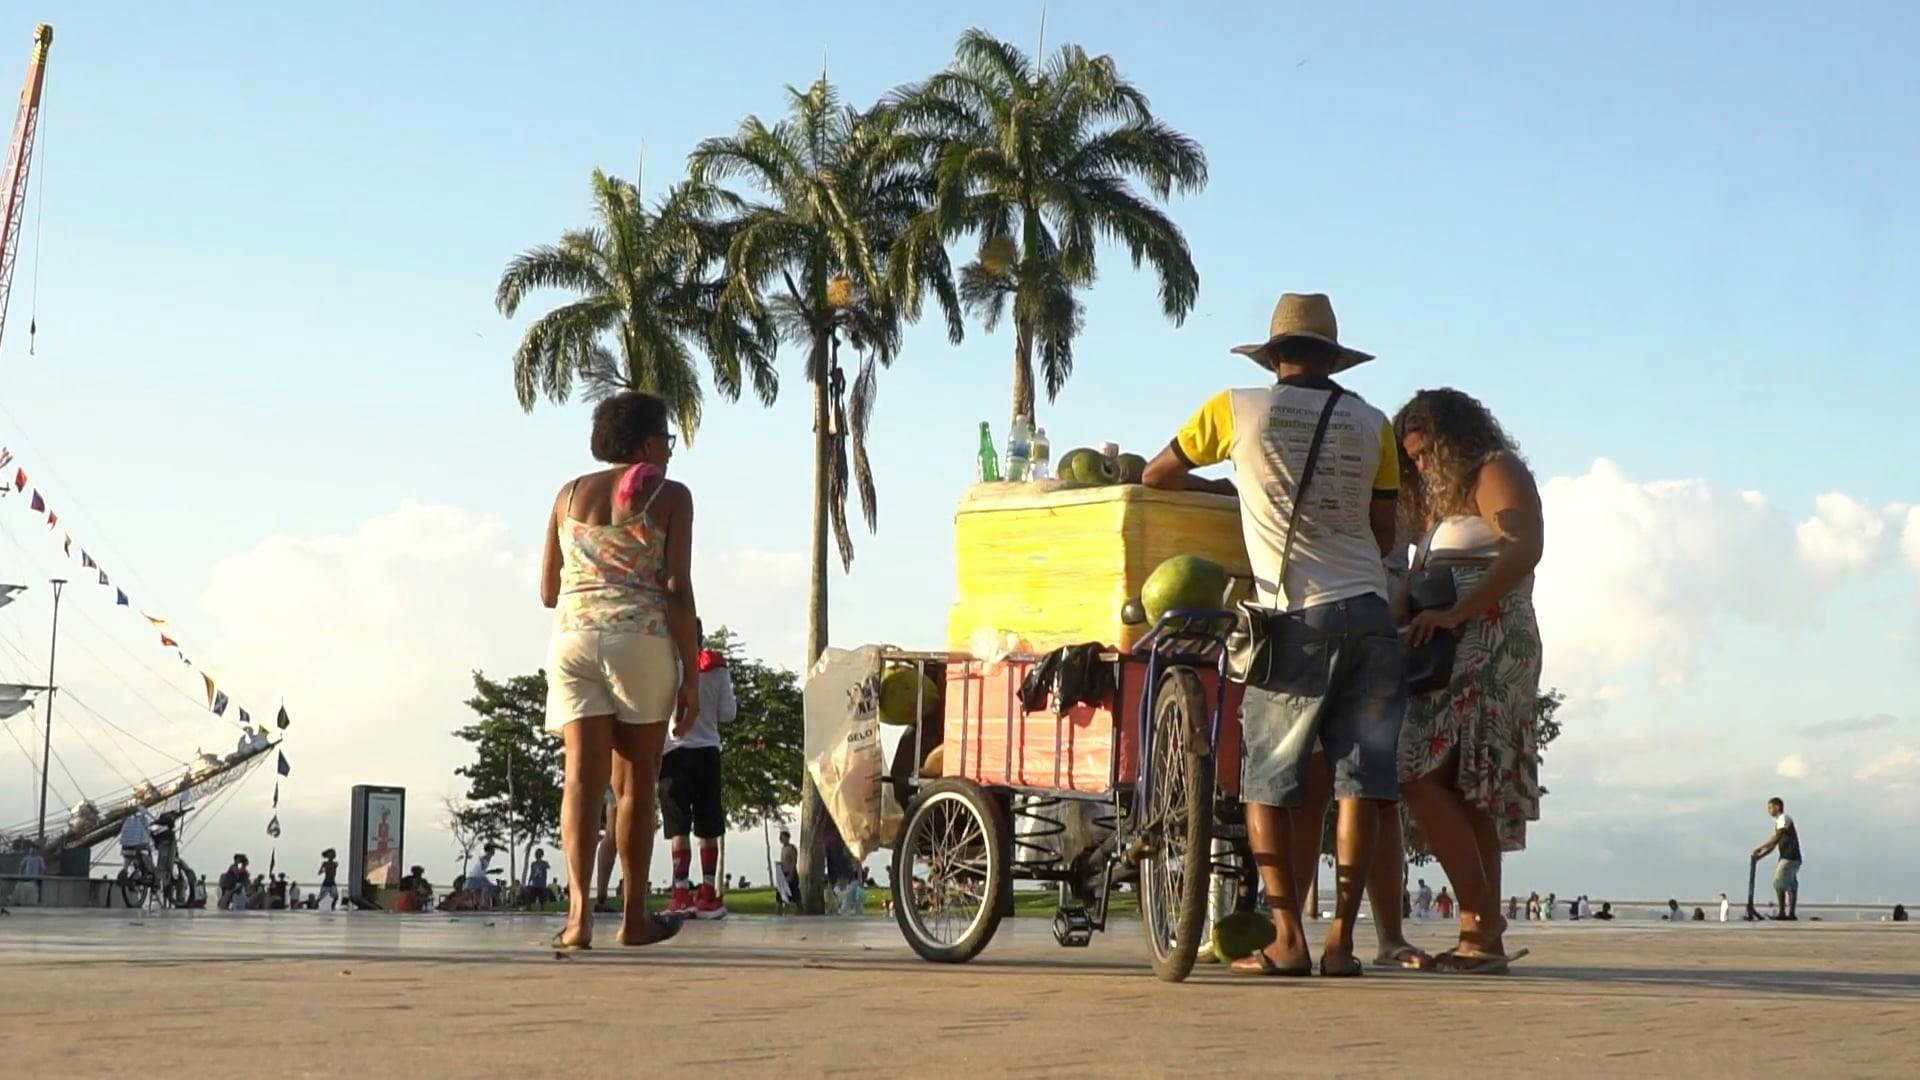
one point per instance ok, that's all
(1469, 758)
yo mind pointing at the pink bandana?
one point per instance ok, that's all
(636, 478)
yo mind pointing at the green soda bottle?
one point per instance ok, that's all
(989, 458)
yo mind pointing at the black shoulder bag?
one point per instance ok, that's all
(1277, 650)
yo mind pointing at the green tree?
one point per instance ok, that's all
(763, 763)
(832, 240)
(1039, 165)
(649, 297)
(513, 783)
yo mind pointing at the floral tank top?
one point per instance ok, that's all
(611, 576)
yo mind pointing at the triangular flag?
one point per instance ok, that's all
(276, 795)
(168, 642)
(155, 621)
(273, 830)
(209, 681)
(39, 505)
(86, 561)
(103, 578)
(120, 598)
(245, 720)
(283, 719)
(220, 703)
(6, 457)
(52, 519)
(68, 546)
(8, 592)
(285, 769)
(20, 480)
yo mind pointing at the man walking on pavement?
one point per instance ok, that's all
(690, 790)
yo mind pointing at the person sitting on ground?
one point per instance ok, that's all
(1899, 913)
(415, 886)
(617, 571)
(277, 893)
(1605, 914)
(197, 899)
(233, 885)
(1674, 914)
(1699, 915)
(257, 893)
(1786, 875)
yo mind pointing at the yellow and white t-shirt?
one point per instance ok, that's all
(1266, 433)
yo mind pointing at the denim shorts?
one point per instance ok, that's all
(1354, 717)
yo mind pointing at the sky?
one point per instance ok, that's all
(1674, 251)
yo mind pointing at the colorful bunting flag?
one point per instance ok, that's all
(52, 519)
(39, 505)
(20, 480)
(276, 794)
(103, 578)
(273, 830)
(86, 561)
(6, 457)
(283, 720)
(245, 720)
(120, 598)
(209, 681)
(283, 767)
(168, 642)
(152, 619)
(220, 703)
(67, 548)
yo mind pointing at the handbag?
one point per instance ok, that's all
(1277, 650)
(1429, 667)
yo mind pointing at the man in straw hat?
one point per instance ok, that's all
(1335, 672)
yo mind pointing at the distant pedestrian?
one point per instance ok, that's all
(293, 893)
(1444, 903)
(1546, 907)
(1699, 915)
(690, 785)
(787, 886)
(1605, 914)
(1533, 906)
(1423, 901)
(1723, 907)
(1674, 914)
(1899, 913)
(1513, 908)
(537, 890)
(33, 867)
(329, 866)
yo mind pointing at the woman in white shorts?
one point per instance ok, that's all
(619, 545)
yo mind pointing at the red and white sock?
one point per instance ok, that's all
(682, 863)
(709, 860)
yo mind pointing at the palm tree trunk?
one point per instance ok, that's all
(813, 866)
(1023, 373)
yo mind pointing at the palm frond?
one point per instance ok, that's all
(557, 346)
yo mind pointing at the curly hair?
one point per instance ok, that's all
(624, 421)
(1463, 436)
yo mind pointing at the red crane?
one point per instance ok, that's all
(13, 183)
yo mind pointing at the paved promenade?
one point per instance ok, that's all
(86, 994)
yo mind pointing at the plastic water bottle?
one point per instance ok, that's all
(1040, 456)
(988, 458)
(1019, 449)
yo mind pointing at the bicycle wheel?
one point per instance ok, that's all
(133, 889)
(957, 844)
(1178, 826)
(180, 888)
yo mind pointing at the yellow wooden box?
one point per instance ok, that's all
(1045, 565)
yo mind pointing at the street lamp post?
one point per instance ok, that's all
(46, 741)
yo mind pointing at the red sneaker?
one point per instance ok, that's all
(682, 902)
(706, 905)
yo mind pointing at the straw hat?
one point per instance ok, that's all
(1304, 315)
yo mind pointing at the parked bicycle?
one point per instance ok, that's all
(163, 879)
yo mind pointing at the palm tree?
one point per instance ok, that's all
(650, 295)
(835, 243)
(1039, 166)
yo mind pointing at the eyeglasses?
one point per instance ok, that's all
(673, 441)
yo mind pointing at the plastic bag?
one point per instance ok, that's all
(844, 755)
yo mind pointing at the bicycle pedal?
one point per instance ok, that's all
(1072, 928)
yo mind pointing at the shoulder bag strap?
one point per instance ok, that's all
(1300, 489)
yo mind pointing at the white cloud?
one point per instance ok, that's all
(1898, 767)
(1910, 538)
(1793, 767)
(1639, 577)
(1844, 535)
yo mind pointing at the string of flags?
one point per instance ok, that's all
(217, 700)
